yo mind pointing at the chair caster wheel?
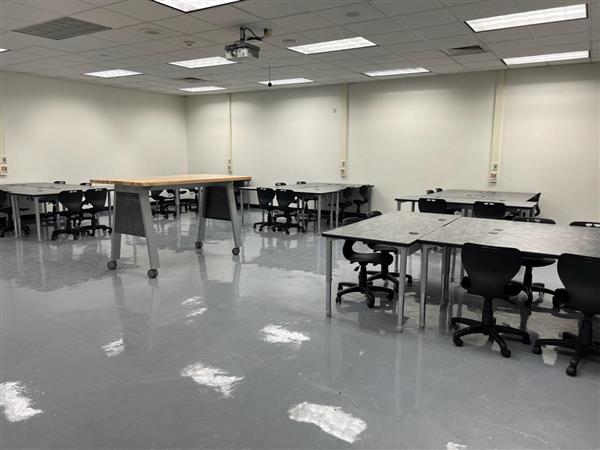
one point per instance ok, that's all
(526, 340)
(537, 350)
(571, 371)
(112, 265)
(338, 300)
(505, 352)
(390, 297)
(235, 251)
(371, 302)
(458, 342)
(199, 244)
(152, 273)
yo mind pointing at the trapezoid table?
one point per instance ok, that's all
(133, 215)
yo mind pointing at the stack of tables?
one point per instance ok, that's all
(411, 231)
(465, 198)
(38, 191)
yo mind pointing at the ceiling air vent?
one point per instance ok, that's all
(63, 28)
(468, 50)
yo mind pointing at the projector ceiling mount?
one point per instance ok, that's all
(242, 48)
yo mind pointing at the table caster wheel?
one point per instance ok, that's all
(537, 350)
(571, 371)
(458, 342)
(199, 244)
(152, 273)
(235, 250)
(505, 352)
(112, 265)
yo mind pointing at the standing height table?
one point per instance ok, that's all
(133, 215)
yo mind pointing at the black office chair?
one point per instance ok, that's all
(85, 183)
(585, 223)
(490, 271)
(433, 205)
(363, 197)
(280, 183)
(265, 202)
(308, 214)
(438, 189)
(430, 191)
(579, 275)
(346, 201)
(72, 202)
(529, 262)
(96, 198)
(363, 259)
(536, 199)
(287, 211)
(161, 205)
(385, 273)
(489, 210)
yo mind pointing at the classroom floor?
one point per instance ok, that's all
(236, 352)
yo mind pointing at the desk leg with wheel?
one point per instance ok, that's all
(328, 274)
(403, 256)
(201, 217)
(423, 284)
(235, 220)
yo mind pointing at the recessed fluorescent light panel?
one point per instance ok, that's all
(202, 89)
(194, 5)
(529, 18)
(287, 81)
(387, 73)
(546, 58)
(3, 50)
(203, 62)
(115, 73)
(333, 46)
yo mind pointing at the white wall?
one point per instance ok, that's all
(57, 129)
(406, 135)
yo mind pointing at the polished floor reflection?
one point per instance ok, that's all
(235, 352)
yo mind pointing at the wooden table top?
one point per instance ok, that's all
(173, 180)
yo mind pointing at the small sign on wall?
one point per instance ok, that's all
(3, 166)
(493, 174)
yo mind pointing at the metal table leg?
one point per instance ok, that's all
(151, 240)
(177, 202)
(38, 224)
(423, 284)
(109, 201)
(319, 214)
(242, 192)
(446, 253)
(201, 217)
(412, 206)
(15, 212)
(330, 210)
(402, 255)
(337, 209)
(235, 224)
(398, 205)
(328, 275)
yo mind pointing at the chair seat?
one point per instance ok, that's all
(383, 248)
(530, 261)
(373, 258)
(512, 289)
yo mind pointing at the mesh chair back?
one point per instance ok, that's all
(96, 197)
(71, 200)
(347, 195)
(433, 205)
(363, 192)
(284, 198)
(265, 196)
(489, 210)
(579, 274)
(300, 182)
(585, 223)
(280, 183)
(59, 182)
(3, 199)
(155, 193)
(438, 189)
(490, 268)
(535, 220)
(429, 191)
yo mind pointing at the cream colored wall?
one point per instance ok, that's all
(57, 129)
(407, 135)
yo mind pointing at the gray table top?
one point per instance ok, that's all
(489, 195)
(396, 228)
(469, 201)
(46, 189)
(309, 188)
(533, 238)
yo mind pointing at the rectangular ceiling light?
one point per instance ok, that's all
(202, 89)
(3, 50)
(333, 46)
(546, 58)
(387, 73)
(194, 5)
(203, 62)
(114, 73)
(287, 81)
(529, 18)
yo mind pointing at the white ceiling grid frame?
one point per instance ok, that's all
(417, 23)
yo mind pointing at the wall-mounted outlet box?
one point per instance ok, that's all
(493, 173)
(343, 168)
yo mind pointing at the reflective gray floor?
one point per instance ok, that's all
(112, 360)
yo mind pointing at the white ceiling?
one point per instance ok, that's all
(408, 33)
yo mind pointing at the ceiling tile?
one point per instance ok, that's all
(145, 10)
(451, 29)
(564, 39)
(571, 26)
(485, 65)
(43, 52)
(377, 26)
(225, 16)
(505, 35)
(409, 47)
(61, 7)
(488, 8)
(317, 5)
(121, 37)
(479, 57)
(329, 34)
(17, 10)
(106, 17)
(149, 31)
(426, 19)
(394, 38)
(221, 36)
(397, 8)
(448, 68)
(186, 24)
(456, 41)
(270, 9)
(358, 12)
(306, 21)
(14, 41)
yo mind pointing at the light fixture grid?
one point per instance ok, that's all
(188, 6)
(203, 89)
(545, 58)
(287, 81)
(333, 46)
(112, 73)
(392, 72)
(203, 62)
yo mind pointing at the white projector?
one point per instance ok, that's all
(241, 50)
